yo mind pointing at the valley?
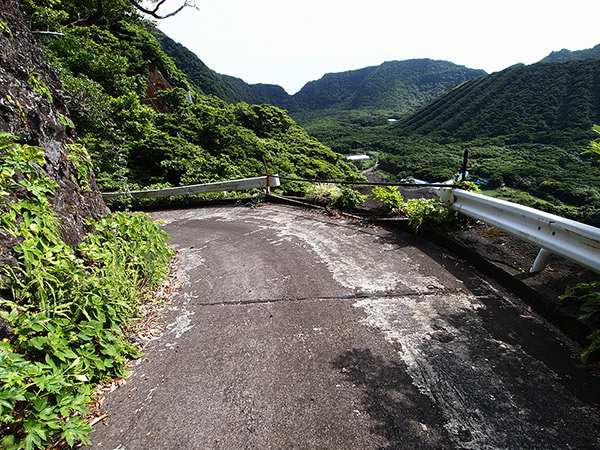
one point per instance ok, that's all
(526, 127)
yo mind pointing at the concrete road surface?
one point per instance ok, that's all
(297, 331)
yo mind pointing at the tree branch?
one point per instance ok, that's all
(154, 12)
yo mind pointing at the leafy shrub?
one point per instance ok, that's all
(5, 29)
(390, 197)
(467, 186)
(425, 211)
(323, 192)
(349, 199)
(594, 148)
(68, 309)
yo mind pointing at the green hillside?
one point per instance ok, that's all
(565, 55)
(546, 103)
(225, 87)
(400, 86)
(128, 102)
(259, 94)
(526, 128)
(206, 80)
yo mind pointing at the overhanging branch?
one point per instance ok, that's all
(155, 12)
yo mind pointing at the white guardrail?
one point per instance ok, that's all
(206, 188)
(554, 234)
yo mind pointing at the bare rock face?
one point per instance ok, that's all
(37, 121)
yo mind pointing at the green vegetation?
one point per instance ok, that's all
(323, 192)
(225, 87)
(525, 128)
(128, 104)
(206, 80)
(69, 310)
(344, 199)
(428, 212)
(594, 148)
(554, 177)
(5, 29)
(401, 86)
(391, 199)
(421, 211)
(542, 103)
(349, 199)
(398, 86)
(588, 294)
(39, 86)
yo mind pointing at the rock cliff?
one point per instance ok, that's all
(36, 119)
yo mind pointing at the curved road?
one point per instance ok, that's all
(296, 331)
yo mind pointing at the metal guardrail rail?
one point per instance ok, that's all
(264, 182)
(554, 234)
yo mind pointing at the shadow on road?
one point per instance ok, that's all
(400, 413)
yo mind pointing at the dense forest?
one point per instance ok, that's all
(545, 103)
(145, 124)
(401, 86)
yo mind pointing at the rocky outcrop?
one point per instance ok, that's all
(36, 119)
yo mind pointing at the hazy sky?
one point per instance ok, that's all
(292, 42)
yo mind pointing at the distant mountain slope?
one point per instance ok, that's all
(537, 103)
(565, 55)
(257, 94)
(225, 87)
(400, 86)
(206, 79)
(394, 85)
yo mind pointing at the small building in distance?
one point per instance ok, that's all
(358, 157)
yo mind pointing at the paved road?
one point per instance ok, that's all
(297, 331)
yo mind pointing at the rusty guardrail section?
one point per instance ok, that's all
(264, 182)
(554, 234)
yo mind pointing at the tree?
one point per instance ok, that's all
(57, 15)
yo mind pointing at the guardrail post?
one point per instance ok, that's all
(541, 261)
(446, 196)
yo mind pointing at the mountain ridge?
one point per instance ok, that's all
(565, 55)
(401, 86)
(415, 82)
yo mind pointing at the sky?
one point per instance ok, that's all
(290, 43)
